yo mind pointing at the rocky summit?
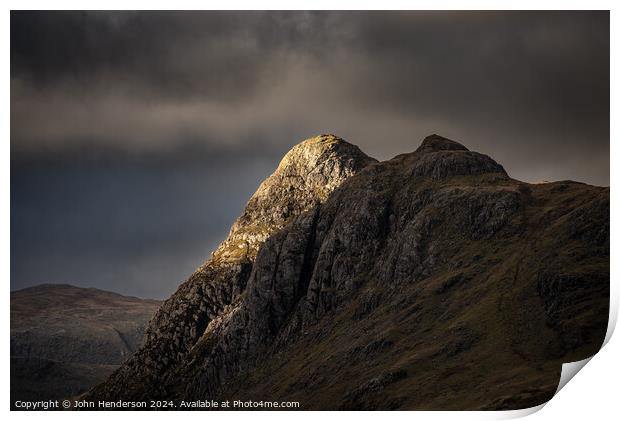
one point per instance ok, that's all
(429, 281)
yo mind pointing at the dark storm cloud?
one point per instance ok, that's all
(159, 93)
(527, 62)
(215, 55)
(504, 82)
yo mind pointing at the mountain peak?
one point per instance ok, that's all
(307, 174)
(435, 143)
(444, 232)
(314, 151)
(305, 177)
(315, 167)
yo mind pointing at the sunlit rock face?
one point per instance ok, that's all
(429, 281)
(306, 176)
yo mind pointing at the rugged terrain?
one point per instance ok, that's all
(429, 281)
(65, 339)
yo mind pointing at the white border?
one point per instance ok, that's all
(592, 394)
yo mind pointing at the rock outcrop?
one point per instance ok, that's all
(429, 281)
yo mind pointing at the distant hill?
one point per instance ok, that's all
(65, 339)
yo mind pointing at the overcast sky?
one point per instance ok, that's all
(137, 138)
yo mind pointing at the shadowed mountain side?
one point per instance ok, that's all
(429, 281)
